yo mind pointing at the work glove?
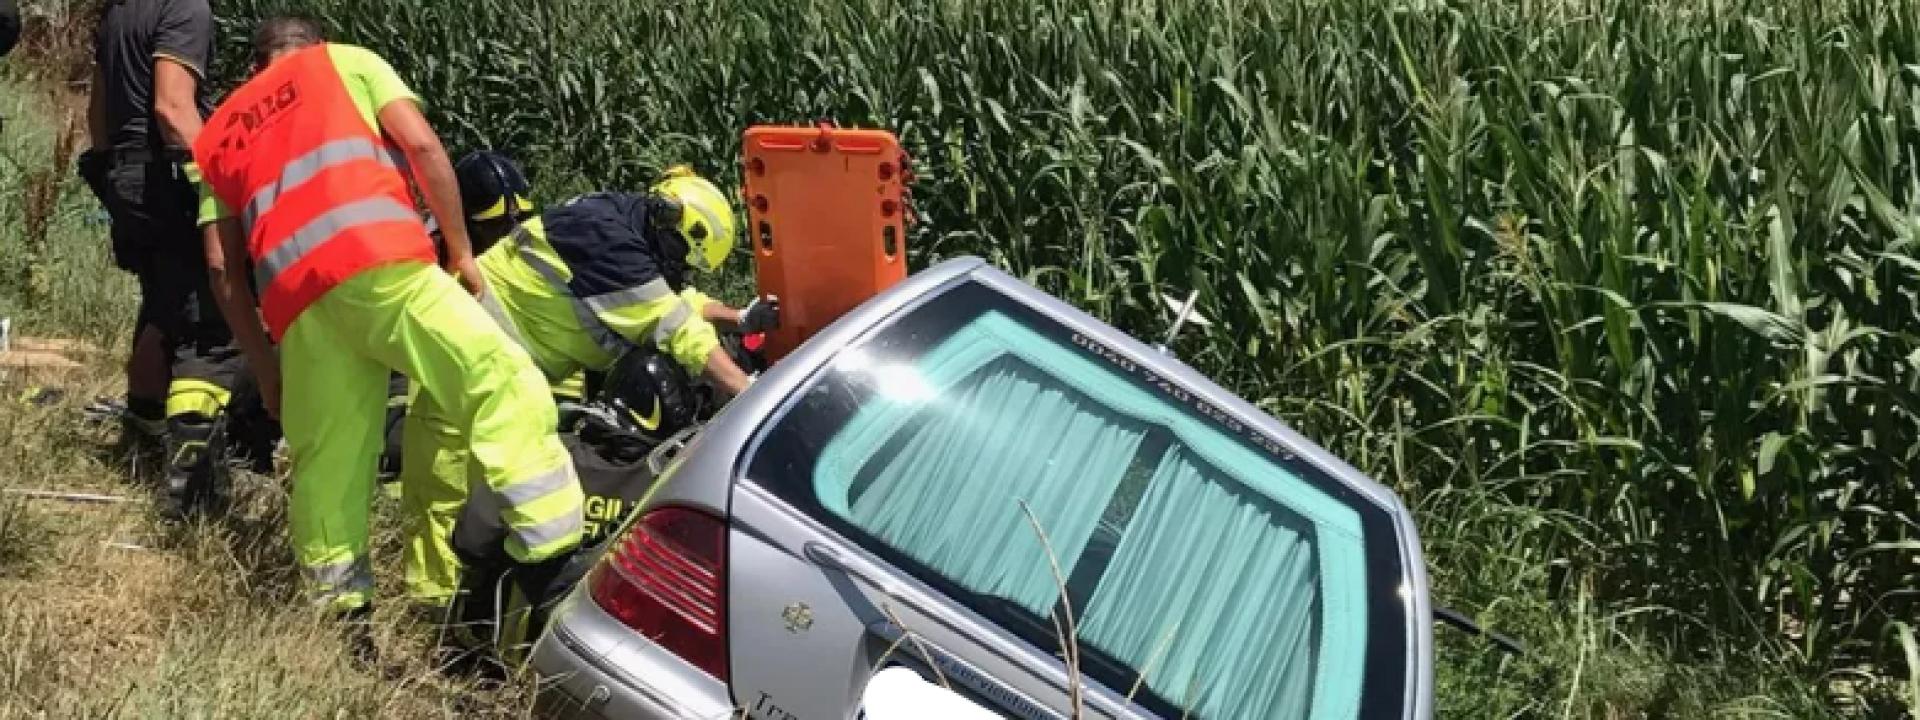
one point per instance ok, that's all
(761, 315)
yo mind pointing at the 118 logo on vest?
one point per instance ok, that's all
(270, 107)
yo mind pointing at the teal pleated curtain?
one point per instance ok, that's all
(1211, 595)
(1237, 589)
(950, 493)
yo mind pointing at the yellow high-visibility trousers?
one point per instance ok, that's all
(413, 318)
(435, 473)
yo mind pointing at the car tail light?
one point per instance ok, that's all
(666, 579)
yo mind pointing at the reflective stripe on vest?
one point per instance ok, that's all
(664, 330)
(310, 165)
(590, 321)
(323, 228)
(320, 192)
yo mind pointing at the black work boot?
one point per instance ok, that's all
(469, 623)
(141, 447)
(356, 627)
(196, 467)
(541, 586)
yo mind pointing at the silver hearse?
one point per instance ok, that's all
(1022, 511)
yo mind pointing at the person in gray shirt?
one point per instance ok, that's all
(149, 100)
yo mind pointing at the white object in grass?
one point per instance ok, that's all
(898, 693)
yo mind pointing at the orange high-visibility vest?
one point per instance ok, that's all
(319, 194)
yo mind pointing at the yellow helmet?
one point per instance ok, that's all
(706, 219)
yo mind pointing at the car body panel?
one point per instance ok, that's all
(604, 669)
(812, 615)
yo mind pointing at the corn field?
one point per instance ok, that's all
(1650, 268)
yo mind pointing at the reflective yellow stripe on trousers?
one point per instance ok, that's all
(536, 488)
(337, 582)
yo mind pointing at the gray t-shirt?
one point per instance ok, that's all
(132, 36)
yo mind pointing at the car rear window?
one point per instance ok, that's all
(1018, 466)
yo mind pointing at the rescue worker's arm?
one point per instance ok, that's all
(724, 374)
(224, 240)
(688, 341)
(433, 172)
(174, 86)
(711, 310)
(720, 369)
(671, 323)
(718, 313)
(182, 41)
(758, 316)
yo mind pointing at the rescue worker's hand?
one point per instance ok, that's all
(468, 272)
(761, 315)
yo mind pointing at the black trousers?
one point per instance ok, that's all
(155, 236)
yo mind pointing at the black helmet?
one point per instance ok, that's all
(650, 395)
(492, 187)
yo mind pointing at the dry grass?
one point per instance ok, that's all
(106, 612)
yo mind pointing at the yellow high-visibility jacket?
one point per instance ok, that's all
(580, 284)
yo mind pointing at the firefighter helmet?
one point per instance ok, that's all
(492, 186)
(650, 395)
(706, 221)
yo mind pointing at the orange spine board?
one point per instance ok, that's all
(825, 221)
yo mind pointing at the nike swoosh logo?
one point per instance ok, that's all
(651, 422)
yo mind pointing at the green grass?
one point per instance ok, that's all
(54, 236)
